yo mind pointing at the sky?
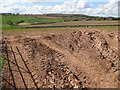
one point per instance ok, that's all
(107, 8)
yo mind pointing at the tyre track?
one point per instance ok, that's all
(15, 67)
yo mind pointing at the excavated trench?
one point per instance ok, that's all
(79, 59)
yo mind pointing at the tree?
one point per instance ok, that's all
(65, 20)
(105, 19)
(17, 14)
(9, 22)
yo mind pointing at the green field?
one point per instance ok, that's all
(43, 23)
(28, 20)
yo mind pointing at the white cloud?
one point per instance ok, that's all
(109, 9)
(82, 4)
(74, 6)
(35, 0)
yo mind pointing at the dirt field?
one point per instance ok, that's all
(76, 23)
(71, 59)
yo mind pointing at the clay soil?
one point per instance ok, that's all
(74, 59)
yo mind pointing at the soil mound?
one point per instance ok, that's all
(79, 59)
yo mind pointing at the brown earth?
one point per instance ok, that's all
(76, 24)
(79, 59)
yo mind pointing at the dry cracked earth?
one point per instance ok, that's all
(75, 59)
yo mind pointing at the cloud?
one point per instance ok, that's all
(14, 1)
(82, 4)
(74, 6)
(109, 9)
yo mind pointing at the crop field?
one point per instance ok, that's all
(57, 53)
(27, 20)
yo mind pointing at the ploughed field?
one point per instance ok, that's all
(71, 59)
(75, 24)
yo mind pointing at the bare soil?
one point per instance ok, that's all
(76, 24)
(78, 59)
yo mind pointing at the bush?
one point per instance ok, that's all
(76, 20)
(9, 22)
(115, 19)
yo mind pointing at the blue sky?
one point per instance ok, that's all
(95, 4)
(89, 7)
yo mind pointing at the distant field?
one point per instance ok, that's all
(48, 22)
(59, 29)
(28, 20)
(76, 24)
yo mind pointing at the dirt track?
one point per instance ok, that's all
(79, 59)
